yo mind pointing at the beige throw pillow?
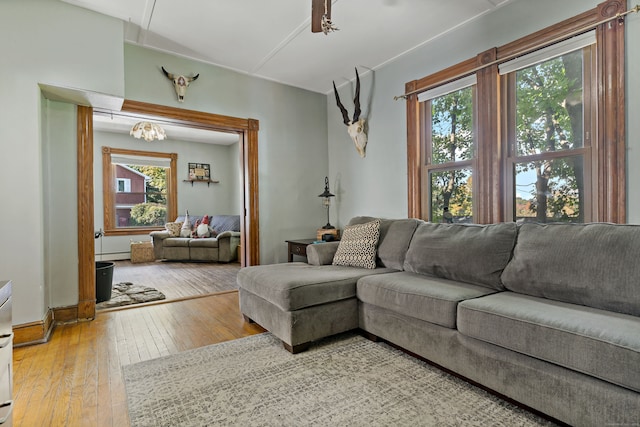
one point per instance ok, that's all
(173, 228)
(358, 245)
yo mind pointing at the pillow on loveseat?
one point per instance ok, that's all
(221, 223)
(173, 228)
(357, 247)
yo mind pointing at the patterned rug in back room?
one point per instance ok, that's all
(342, 381)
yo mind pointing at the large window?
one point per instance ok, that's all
(138, 190)
(539, 136)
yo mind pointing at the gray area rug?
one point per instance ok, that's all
(343, 381)
(127, 293)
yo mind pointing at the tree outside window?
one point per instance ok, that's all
(548, 153)
(451, 148)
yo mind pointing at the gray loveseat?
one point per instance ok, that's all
(221, 248)
(547, 315)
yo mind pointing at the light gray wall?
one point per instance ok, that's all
(377, 184)
(60, 207)
(221, 198)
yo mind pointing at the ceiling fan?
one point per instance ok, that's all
(321, 17)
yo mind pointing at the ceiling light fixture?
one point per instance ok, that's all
(147, 130)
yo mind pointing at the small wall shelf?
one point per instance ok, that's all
(208, 181)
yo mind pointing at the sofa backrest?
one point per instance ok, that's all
(219, 223)
(470, 253)
(395, 235)
(596, 265)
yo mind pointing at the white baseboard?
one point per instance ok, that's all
(113, 257)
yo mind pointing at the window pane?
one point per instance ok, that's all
(144, 202)
(452, 127)
(550, 190)
(451, 189)
(549, 105)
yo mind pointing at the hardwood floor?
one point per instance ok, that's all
(76, 379)
(179, 280)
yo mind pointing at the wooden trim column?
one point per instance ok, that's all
(611, 137)
(86, 248)
(488, 202)
(252, 215)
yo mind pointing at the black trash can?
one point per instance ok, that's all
(104, 280)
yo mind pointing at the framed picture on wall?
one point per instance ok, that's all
(199, 171)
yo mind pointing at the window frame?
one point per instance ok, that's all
(608, 164)
(427, 164)
(126, 183)
(511, 150)
(109, 190)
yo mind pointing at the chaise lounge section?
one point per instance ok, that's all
(547, 315)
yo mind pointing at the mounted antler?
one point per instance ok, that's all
(180, 83)
(355, 127)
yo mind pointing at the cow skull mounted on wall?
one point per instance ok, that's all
(355, 127)
(180, 83)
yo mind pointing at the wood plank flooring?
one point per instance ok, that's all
(76, 379)
(179, 280)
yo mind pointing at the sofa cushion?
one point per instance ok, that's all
(431, 299)
(468, 253)
(203, 243)
(395, 236)
(358, 245)
(295, 285)
(590, 264)
(177, 242)
(596, 342)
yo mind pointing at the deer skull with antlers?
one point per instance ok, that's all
(180, 83)
(355, 127)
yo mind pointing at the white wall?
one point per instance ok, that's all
(43, 41)
(377, 184)
(221, 198)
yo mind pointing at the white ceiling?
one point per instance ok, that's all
(272, 39)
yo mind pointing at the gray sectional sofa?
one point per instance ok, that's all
(547, 315)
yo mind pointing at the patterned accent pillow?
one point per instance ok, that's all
(173, 228)
(358, 245)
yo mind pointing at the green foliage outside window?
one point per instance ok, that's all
(154, 211)
(148, 214)
(452, 140)
(549, 119)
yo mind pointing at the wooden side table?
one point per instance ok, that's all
(298, 247)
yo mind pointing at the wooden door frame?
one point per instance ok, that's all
(247, 129)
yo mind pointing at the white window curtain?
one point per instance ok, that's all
(544, 54)
(446, 88)
(140, 160)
